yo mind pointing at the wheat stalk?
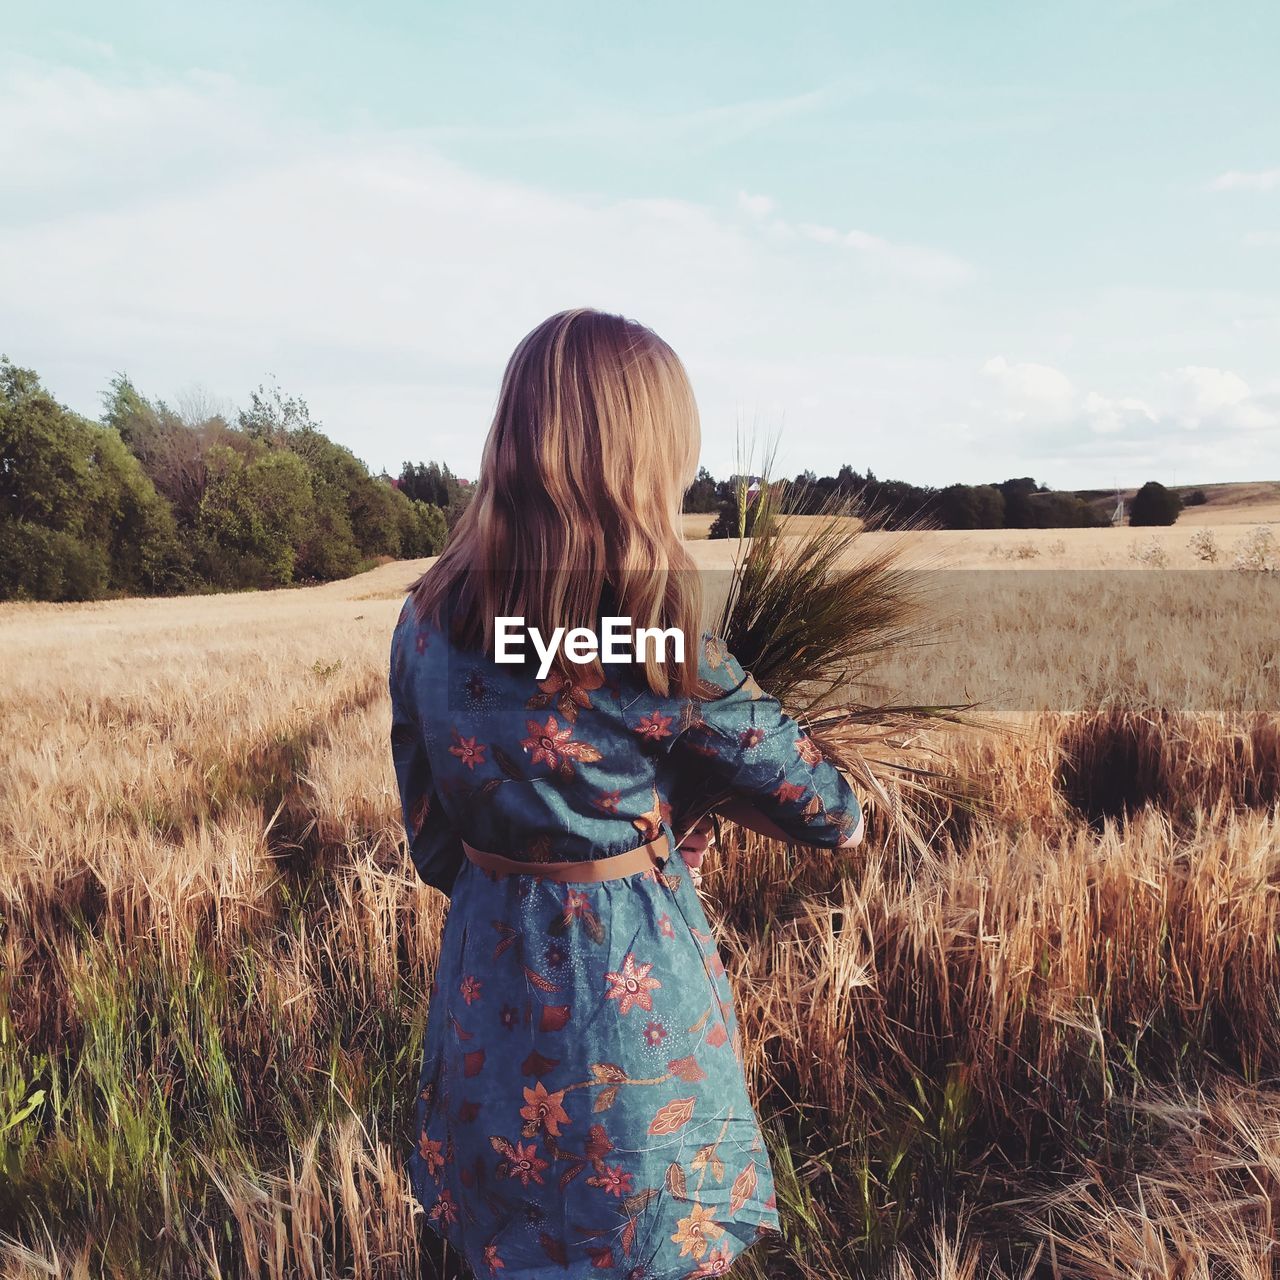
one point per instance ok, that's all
(810, 616)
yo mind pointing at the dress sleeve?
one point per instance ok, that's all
(743, 738)
(434, 845)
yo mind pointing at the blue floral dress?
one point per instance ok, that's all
(582, 1109)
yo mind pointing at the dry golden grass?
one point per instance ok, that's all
(1049, 1047)
(698, 525)
(1074, 549)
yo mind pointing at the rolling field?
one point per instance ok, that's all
(1050, 1048)
(1229, 518)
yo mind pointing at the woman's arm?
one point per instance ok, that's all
(745, 814)
(740, 737)
(434, 846)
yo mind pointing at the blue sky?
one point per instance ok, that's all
(943, 241)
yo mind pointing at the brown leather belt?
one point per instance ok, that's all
(591, 870)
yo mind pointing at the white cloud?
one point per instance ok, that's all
(1204, 398)
(1246, 180)
(708, 126)
(916, 264)
(1213, 402)
(909, 261)
(66, 131)
(1031, 390)
(1262, 240)
(1041, 397)
(1124, 415)
(757, 206)
(188, 231)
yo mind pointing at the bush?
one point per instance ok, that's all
(1258, 552)
(47, 564)
(1153, 504)
(1205, 546)
(1151, 554)
(728, 524)
(254, 516)
(1020, 551)
(423, 530)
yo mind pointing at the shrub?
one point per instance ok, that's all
(1258, 551)
(423, 530)
(254, 516)
(37, 563)
(1020, 551)
(1153, 504)
(728, 524)
(1150, 554)
(1205, 546)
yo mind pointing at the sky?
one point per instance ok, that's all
(943, 242)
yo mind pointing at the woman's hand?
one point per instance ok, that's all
(745, 814)
(860, 831)
(700, 838)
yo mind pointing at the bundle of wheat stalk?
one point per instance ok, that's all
(810, 614)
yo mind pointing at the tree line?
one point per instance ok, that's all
(156, 499)
(1018, 503)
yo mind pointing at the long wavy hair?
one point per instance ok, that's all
(594, 441)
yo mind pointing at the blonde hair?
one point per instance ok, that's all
(594, 441)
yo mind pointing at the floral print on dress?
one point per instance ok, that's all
(582, 1109)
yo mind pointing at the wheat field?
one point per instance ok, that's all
(1049, 1048)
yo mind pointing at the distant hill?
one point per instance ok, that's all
(1244, 502)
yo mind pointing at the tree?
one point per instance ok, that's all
(329, 549)
(1153, 504)
(1018, 511)
(272, 416)
(170, 446)
(341, 536)
(422, 529)
(969, 506)
(254, 517)
(736, 514)
(434, 483)
(37, 563)
(703, 494)
(729, 521)
(82, 517)
(355, 516)
(1057, 510)
(428, 482)
(458, 504)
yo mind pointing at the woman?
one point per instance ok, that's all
(582, 1109)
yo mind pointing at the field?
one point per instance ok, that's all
(1050, 1048)
(1228, 519)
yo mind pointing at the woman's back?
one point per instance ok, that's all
(587, 766)
(582, 1109)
